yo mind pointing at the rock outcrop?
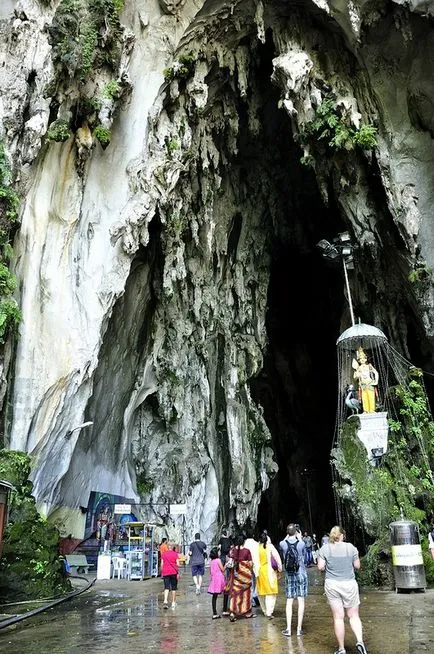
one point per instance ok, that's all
(186, 157)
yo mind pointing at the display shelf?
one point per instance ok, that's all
(142, 559)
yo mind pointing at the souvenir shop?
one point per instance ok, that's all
(126, 547)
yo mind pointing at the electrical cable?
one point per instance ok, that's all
(18, 618)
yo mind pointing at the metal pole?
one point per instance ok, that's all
(308, 503)
(350, 301)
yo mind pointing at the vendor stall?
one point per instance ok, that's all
(140, 550)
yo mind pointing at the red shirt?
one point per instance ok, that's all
(169, 566)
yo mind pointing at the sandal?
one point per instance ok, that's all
(216, 617)
(232, 618)
(250, 615)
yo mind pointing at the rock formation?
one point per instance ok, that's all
(177, 163)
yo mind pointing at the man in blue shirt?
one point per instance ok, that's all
(296, 583)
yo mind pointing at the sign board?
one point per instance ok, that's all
(122, 509)
(178, 509)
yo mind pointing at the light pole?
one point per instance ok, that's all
(341, 248)
(306, 474)
(71, 431)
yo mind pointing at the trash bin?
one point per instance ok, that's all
(407, 558)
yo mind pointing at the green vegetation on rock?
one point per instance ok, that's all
(86, 35)
(333, 127)
(30, 566)
(402, 486)
(112, 89)
(143, 484)
(10, 314)
(58, 131)
(181, 69)
(103, 135)
(421, 276)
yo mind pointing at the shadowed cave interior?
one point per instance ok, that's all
(298, 384)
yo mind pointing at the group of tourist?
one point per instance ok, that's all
(246, 572)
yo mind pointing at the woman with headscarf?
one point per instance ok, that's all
(239, 583)
(269, 565)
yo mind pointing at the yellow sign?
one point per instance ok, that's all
(407, 555)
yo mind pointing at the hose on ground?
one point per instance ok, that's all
(18, 618)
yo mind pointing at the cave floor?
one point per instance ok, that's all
(123, 616)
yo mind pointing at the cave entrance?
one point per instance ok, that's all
(297, 386)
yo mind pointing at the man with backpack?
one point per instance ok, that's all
(296, 583)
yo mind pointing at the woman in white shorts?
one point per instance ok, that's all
(339, 560)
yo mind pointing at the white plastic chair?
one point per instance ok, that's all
(119, 567)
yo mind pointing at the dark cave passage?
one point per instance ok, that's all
(297, 386)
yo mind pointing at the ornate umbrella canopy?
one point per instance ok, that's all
(361, 335)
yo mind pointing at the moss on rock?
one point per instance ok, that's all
(402, 486)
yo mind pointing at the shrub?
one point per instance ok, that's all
(421, 275)
(334, 127)
(366, 137)
(86, 34)
(9, 200)
(30, 566)
(428, 562)
(182, 68)
(112, 90)
(103, 135)
(58, 131)
(10, 315)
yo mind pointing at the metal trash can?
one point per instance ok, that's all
(407, 560)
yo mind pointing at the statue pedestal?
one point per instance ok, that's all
(373, 433)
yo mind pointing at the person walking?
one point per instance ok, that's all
(169, 574)
(197, 555)
(339, 560)
(217, 582)
(270, 564)
(325, 539)
(163, 548)
(308, 558)
(253, 546)
(296, 581)
(239, 582)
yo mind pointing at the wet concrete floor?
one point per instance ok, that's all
(122, 616)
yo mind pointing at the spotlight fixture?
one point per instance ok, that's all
(328, 250)
(344, 237)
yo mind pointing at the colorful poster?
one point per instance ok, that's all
(100, 514)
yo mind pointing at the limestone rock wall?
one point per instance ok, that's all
(144, 267)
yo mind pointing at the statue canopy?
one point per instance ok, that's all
(361, 335)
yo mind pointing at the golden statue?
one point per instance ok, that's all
(367, 377)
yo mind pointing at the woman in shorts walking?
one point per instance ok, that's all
(339, 560)
(169, 574)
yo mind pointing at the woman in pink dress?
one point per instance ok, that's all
(217, 580)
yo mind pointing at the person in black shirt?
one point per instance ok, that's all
(225, 544)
